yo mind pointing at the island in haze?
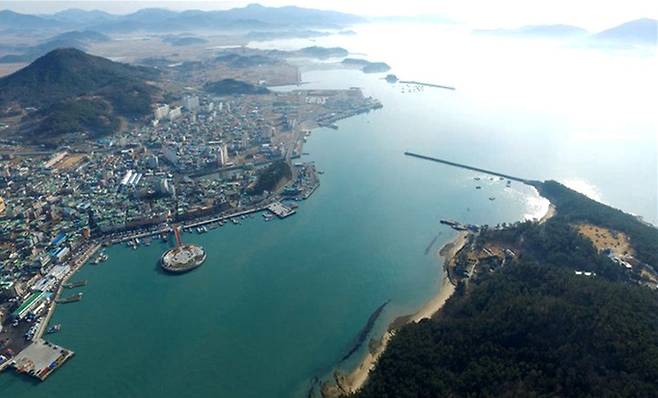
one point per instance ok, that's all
(366, 66)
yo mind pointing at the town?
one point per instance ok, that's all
(195, 164)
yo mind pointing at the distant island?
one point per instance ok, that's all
(639, 31)
(73, 39)
(367, 66)
(642, 31)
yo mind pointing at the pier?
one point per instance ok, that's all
(280, 210)
(40, 359)
(426, 84)
(463, 166)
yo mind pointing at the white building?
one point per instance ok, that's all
(222, 155)
(161, 112)
(175, 113)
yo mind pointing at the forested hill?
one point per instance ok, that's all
(533, 326)
(574, 207)
(72, 91)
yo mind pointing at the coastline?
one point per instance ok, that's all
(353, 381)
(356, 378)
(552, 210)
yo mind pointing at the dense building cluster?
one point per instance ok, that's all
(195, 159)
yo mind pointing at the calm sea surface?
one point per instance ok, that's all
(281, 302)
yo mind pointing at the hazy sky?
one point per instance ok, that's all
(591, 14)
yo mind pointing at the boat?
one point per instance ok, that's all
(492, 198)
(478, 187)
(54, 329)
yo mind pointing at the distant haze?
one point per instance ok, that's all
(590, 14)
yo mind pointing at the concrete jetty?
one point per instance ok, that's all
(40, 359)
(425, 84)
(281, 211)
(463, 166)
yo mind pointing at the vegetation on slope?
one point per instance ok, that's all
(575, 207)
(91, 115)
(534, 327)
(55, 81)
(271, 177)
(234, 87)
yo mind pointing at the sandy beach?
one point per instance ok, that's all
(353, 381)
(549, 213)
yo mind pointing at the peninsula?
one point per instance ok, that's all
(512, 287)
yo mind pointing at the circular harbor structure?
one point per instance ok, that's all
(182, 258)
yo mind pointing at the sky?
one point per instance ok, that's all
(590, 14)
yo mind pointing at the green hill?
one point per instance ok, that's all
(234, 87)
(55, 82)
(533, 326)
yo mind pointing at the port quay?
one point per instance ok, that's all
(41, 358)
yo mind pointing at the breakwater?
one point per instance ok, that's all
(426, 84)
(467, 167)
(363, 333)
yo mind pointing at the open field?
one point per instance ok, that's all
(604, 238)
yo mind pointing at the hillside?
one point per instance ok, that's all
(73, 39)
(253, 16)
(531, 325)
(366, 66)
(234, 87)
(639, 31)
(55, 82)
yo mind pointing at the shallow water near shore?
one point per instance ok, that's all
(279, 303)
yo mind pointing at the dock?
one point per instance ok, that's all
(73, 285)
(425, 84)
(40, 359)
(473, 168)
(69, 299)
(279, 210)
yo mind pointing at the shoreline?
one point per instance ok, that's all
(356, 378)
(552, 210)
(352, 381)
